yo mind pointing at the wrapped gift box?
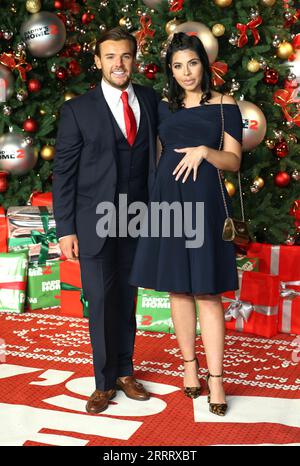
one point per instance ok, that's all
(250, 264)
(13, 276)
(38, 198)
(33, 228)
(279, 260)
(254, 307)
(153, 312)
(72, 300)
(3, 230)
(289, 307)
(43, 285)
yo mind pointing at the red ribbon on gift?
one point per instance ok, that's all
(176, 5)
(9, 60)
(251, 26)
(283, 98)
(145, 31)
(218, 70)
(12, 286)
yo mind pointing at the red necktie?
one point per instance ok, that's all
(129, 117)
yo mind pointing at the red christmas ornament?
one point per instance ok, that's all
(74, 68)
(30, 125)
(86, 18)
(61, 73)
(59, 5)
(3, 181)
(281, 149)
(75, 48)
(150, 71)
(34, 85)
(282, 179)
(271, 76)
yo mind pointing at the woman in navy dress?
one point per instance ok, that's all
(190, 128)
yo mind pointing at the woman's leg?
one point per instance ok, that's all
(183, 312)
(212, 325)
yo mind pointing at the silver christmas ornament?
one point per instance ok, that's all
(22, 95)
(44, 34)
(233, 40)
(16, 156)
(254, 125)
(254, 188)
(7, 110)
(8, 35)
(296, 175)
(7, 83)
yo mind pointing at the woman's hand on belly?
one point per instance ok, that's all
(190, 162)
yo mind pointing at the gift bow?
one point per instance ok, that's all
(251, 25)
(176, 5)
(238, 308)
(145, 22)
(9, 60)
(67, 287)
(218, 70)
(283, 98)
(289, 292)
(49, 236)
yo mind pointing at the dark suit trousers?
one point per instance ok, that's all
(112, 321)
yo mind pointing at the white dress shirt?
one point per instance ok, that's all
(112, 96)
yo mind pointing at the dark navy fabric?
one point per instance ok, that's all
(166, 264)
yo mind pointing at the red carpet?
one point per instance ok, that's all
(46, 377)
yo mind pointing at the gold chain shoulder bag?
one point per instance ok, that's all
(233, 230)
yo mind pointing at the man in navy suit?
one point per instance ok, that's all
(106, 146)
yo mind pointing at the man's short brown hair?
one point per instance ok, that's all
(116, 33)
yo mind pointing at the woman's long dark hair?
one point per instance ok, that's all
(175, 93)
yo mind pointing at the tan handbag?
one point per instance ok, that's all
(233, 230)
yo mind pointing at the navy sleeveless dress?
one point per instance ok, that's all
(165, 263)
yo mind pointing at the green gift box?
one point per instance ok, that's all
(13, 276)
(247, 264)
(43, 288)
(153, 312)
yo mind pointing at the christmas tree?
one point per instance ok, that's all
(46, 56)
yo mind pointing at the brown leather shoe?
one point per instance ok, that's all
(132, 388)
(98, 401)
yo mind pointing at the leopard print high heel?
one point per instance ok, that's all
(216, 408)
(192, 392)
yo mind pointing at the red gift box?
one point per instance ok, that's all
(3, 231)
(289, 307)
(71, 296)
(38, 198)
(279, 260)
(254, 307)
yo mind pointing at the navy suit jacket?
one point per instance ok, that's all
(85, 169)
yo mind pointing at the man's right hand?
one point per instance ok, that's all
(69, 246)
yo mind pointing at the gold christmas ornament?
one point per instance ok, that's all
(47, 152)
(259, 182)
(122, 22)
(218, 30)
(284, 50)
(253, 66)
(268, 2)
(223, 3)
(230, 188)
(69, 95)
(33, 6)
(270, 143)
(171, 26)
